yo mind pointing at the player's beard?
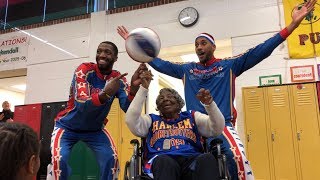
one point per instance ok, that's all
(106, 66)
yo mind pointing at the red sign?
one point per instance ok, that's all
(302, 73)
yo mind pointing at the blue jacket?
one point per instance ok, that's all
(84, 111)
(217, 75)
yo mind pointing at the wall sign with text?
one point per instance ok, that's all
(270, 80)
(302, 73)
(14, 49)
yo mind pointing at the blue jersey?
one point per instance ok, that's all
(218, 76)
(173, 137)
(84, 111)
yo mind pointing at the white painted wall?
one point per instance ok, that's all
(50, 70)
(14, 98)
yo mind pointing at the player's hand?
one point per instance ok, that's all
(123, 32)
(10, 120)
(136, 80)
(146, 78)
(204, 96)
(1, 116)
(113, 85)
(299, 13)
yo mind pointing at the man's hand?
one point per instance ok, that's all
(146, 78)
(1, 116)
(113, 85)
(204, 96)
(136, 80)
(123, 32)
(299, 13)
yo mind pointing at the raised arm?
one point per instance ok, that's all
(163, 66)
(213, 123)
(255, 55)
(139, 124)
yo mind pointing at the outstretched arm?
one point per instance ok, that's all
(255, 55)
(213, 123)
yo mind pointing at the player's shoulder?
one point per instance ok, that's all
(86, 67)
(115, 73)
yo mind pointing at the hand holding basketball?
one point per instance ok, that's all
(142, 44)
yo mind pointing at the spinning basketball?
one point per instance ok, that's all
(143, 44)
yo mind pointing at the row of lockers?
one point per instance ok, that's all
(283, 131)
(41, 118)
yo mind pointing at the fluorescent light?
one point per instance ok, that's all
(21, 87)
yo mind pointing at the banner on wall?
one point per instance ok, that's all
(14, 49)
(302, 73)
(304, 42)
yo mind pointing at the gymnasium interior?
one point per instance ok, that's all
(277, 101)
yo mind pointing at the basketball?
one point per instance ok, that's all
(143, 44)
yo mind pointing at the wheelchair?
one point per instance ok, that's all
(133, 167)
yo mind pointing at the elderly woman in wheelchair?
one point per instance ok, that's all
(173, 147)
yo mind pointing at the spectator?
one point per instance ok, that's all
(6, 114)
(19, 152)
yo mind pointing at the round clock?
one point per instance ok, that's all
(188, 16)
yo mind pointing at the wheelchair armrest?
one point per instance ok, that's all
(215, 146)
(134, 142)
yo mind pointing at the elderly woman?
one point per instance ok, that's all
(174, 150)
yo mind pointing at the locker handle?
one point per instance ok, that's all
(272, 136)
(298, 136)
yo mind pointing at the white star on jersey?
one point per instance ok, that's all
(81, 85)
(80, 74)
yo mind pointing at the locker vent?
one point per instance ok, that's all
(278, 100)
(304, 98)
(254, 103)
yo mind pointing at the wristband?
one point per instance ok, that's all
(107, 95)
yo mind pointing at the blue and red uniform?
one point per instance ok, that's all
(83, 119)
(219, 76)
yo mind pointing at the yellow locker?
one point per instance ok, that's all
(120, 134)
(114, 128)
(126, 147)
(256, 132)
(281, 133)
(306, 111)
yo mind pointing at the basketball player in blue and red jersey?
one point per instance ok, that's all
(92, 91)
(218, 76)
(173, 147)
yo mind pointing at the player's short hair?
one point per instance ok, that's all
(115, 48)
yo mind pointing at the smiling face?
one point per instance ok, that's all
(106, 56)
(169, 103)
(204, 49)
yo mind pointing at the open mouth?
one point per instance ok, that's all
(200, 54)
